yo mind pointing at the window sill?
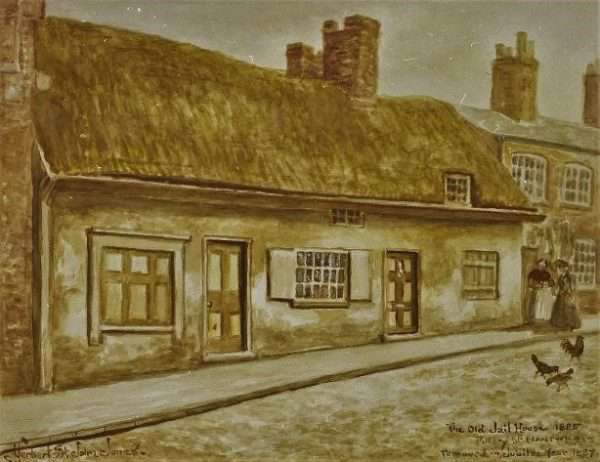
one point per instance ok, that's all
(136, 329)
(399, 336)
(458, 205)
(223, 357)
(569, 205)
(480, 297)
(318, 304)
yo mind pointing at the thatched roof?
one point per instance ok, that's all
(128, 104)
(543, 129)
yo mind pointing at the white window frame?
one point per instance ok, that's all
(458, 177)
(131, 240)
(538, 162)
(478, 291)
(591, 262)
(577, 169)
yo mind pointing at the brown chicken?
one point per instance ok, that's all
(575, 350)
(542, 367)
(560, 379)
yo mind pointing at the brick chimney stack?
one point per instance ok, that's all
(514, 80)
(591, 95)
(17, 77)
(303, 62)
(349, 59)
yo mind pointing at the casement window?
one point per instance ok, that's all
(576, 187)
(457, 189)
(530, 173)
(136, 287)
(480, 275)
(319, 277)
(584, 266)
(347, 217)
(135, 284)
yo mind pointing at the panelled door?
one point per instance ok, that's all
(402, 300)
(226, 295)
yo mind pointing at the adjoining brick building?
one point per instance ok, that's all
(236, 213)
(17, 77)
(556, 163)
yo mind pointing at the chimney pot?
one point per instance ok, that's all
(591, 94)
(330, 26)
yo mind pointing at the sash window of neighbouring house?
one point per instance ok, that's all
(576, 188)
(584, 265)
(529, 171)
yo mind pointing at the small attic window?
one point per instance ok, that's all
(457, 189)
(347, 217)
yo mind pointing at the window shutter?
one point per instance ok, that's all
(360, 275)
(282, 274)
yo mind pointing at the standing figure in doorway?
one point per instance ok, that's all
(564, 311)
(540, 292)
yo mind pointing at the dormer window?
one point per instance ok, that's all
(458, 189)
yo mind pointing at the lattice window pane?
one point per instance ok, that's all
(321, 275)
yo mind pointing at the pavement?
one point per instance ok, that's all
(40, 420)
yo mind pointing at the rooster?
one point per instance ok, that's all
(575, 350)
(542, 367)
(560, 379)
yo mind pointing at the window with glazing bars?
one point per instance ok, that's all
(576, 186)
(458, 189)
(584, 266)
(529, 171)
(136, 287)
(322, 276)
(349, 217)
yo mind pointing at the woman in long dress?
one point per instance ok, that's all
(541, 286)
(564, 311)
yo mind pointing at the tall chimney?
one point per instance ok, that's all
(349, 59)
(351, 55)
(17, 77)
(591, 94)
(514, 80)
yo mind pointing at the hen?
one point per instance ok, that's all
(542, 367)
(560, 379)
(575, 350)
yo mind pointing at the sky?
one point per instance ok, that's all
(442, 49)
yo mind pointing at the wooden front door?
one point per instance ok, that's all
(402, 300)
(529, 256)
(226, 295)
